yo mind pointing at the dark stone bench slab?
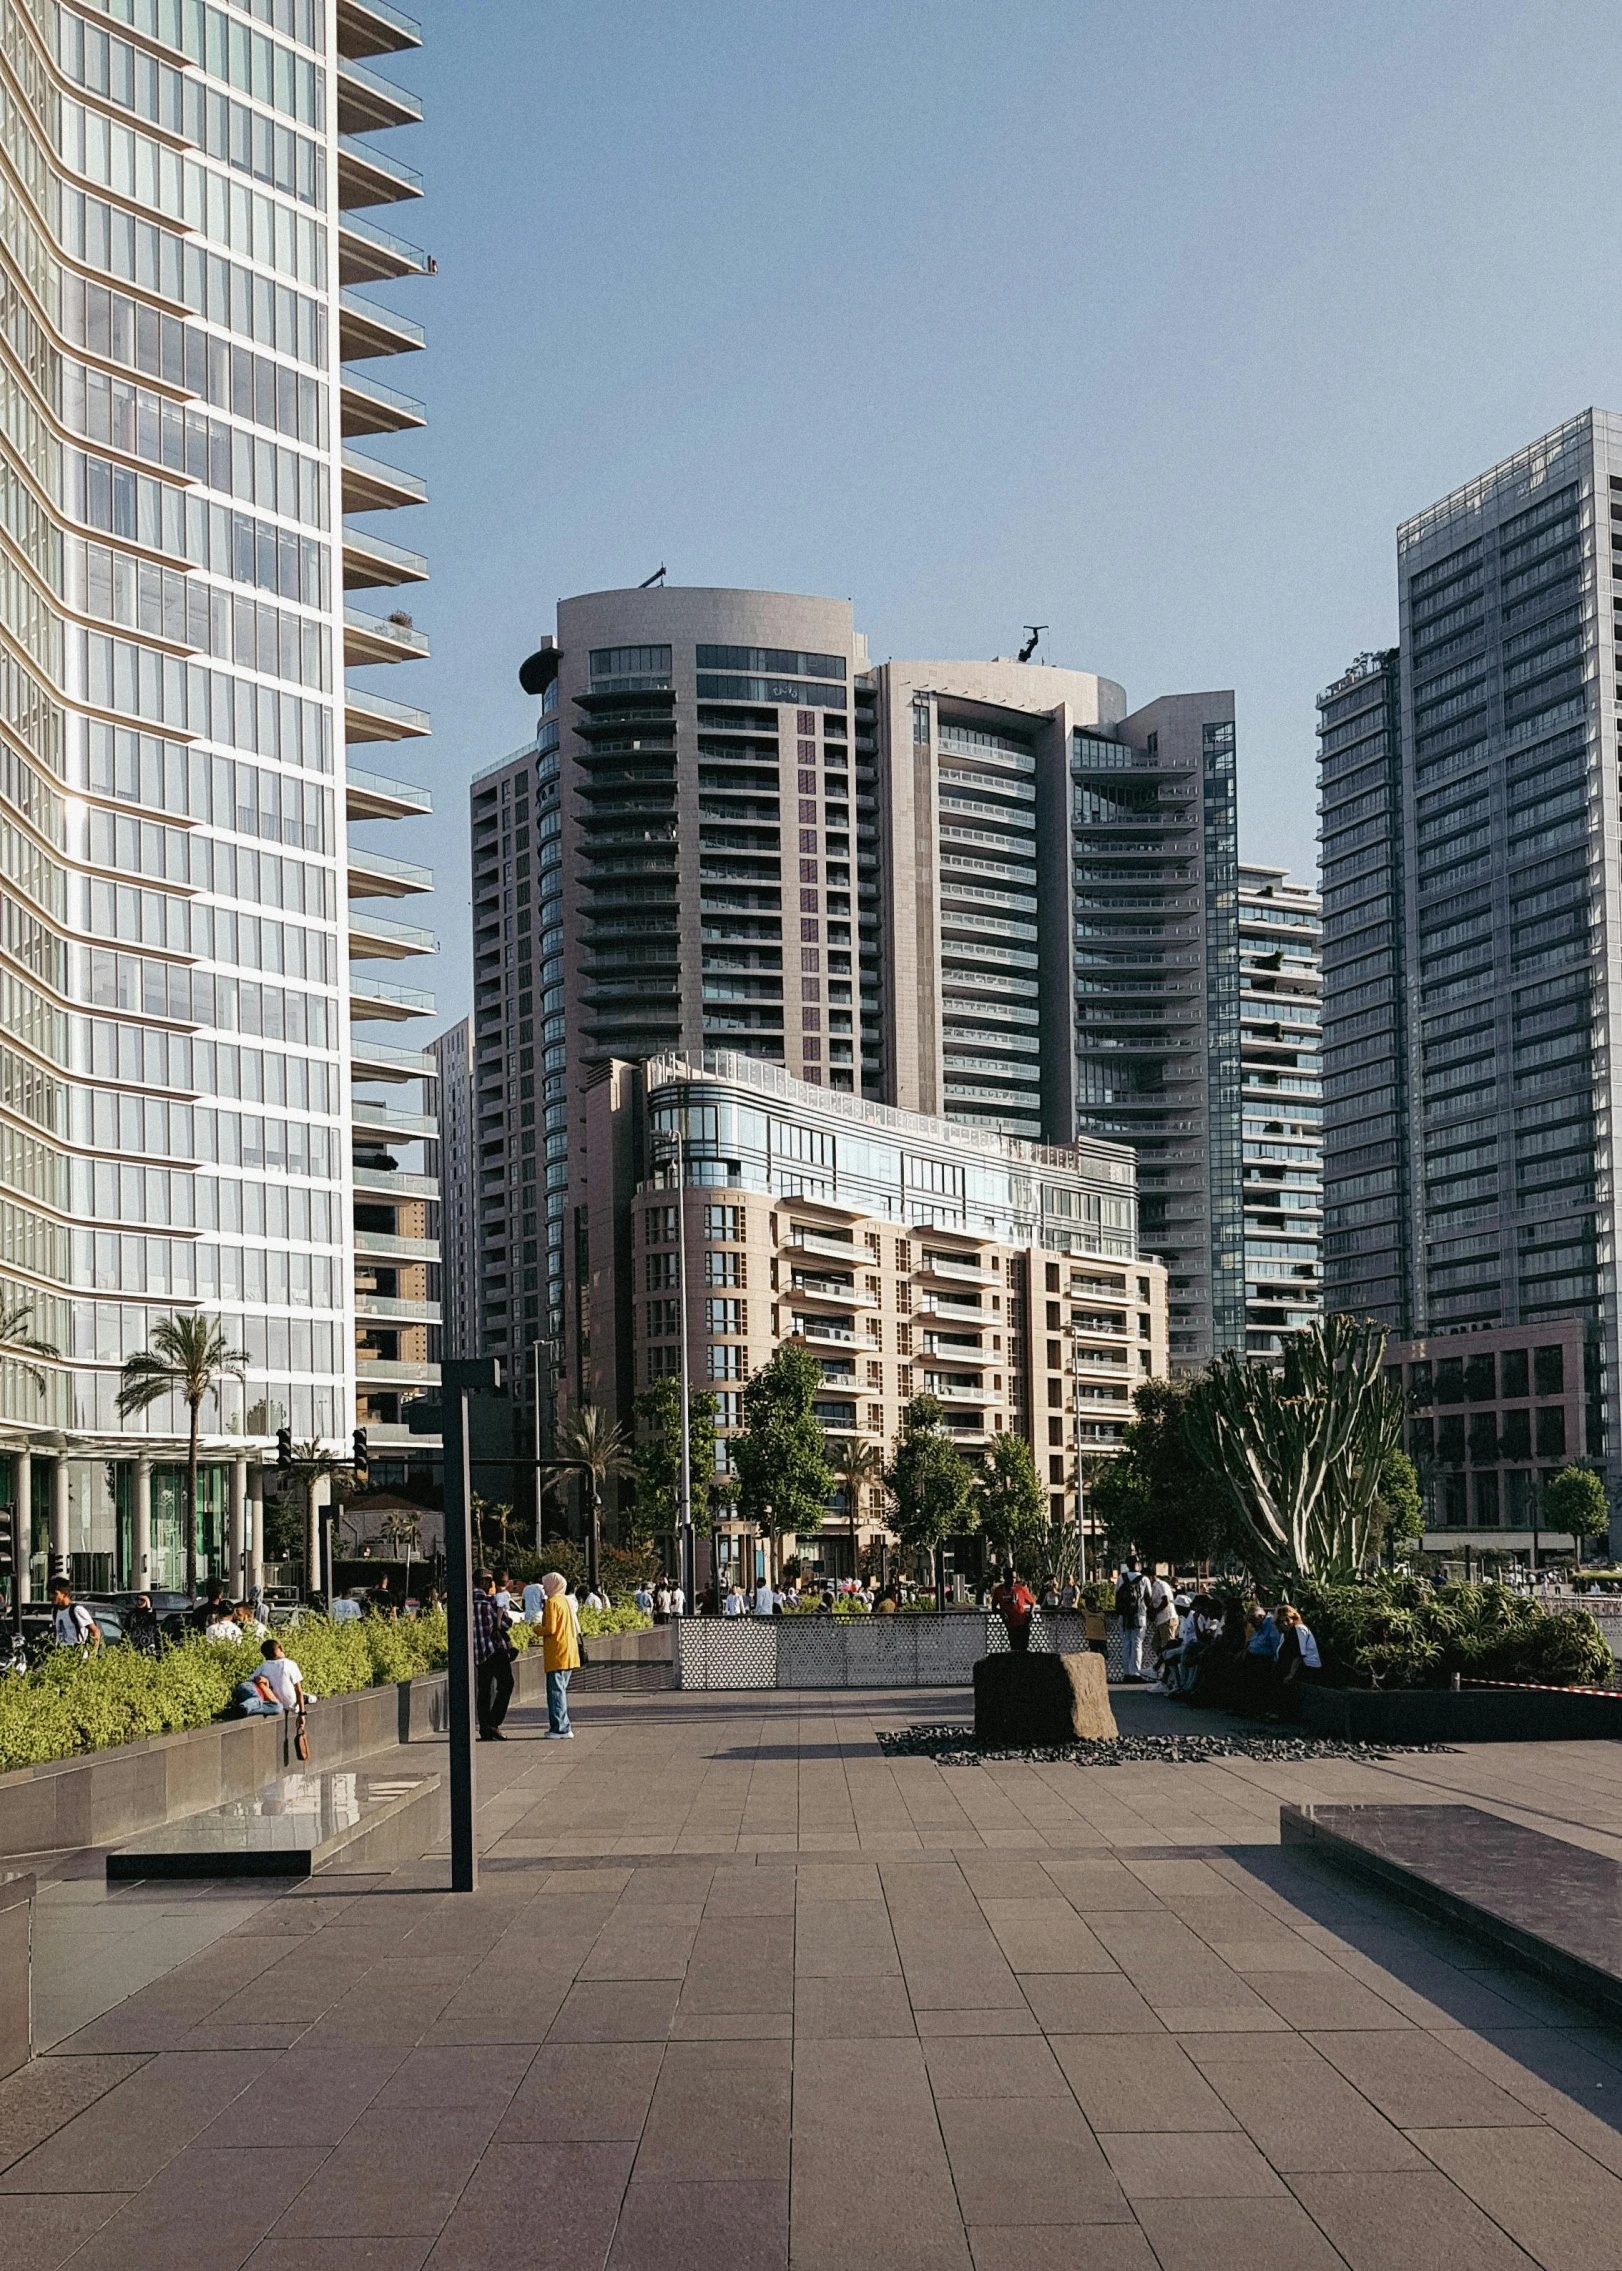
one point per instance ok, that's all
(16, 1948)
(1552, 1907)
(1461, 1715)
(348, 1818)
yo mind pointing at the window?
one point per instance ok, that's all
(1513, 1370)
(723, 1221)
(1549, 1371)
(659, 1226)
(726, 1316)
(1483, 1439)
(630, 662)
(728, 1361)
(664, 1320)
(1552, 1432)
(726, 1269)
(875, 1377)
(1450, 1380)
(1479, 1384)
(1515, 1440)
(659, 1272)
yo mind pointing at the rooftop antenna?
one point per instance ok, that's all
(657, 577)
(1029, 648)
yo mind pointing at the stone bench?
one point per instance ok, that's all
(1547, 1905)
(345, 1819)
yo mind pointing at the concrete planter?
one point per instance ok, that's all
(16, 2006)
(1473, 1715)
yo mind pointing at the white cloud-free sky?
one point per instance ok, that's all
(1147, 320)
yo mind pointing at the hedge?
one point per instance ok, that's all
(69, 1704)
(1401, 1632)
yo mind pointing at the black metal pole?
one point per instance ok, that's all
(459, 1655)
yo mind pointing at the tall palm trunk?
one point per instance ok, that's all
(191, 1507)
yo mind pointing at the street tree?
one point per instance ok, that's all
(657, 1503)
(781, 1458)
(931, 1484)
(190, 1357)
(1012, 1505)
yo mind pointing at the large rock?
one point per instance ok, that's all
(1039, 1700)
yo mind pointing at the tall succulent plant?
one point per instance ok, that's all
(1297, 1450)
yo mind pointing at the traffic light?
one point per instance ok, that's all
(360, 1458)
(284, 1449)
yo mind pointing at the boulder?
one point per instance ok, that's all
(1038, 1700)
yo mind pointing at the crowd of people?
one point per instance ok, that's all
(1239, 1654)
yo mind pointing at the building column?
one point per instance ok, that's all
(59, 1514)
(256, 1527)
(22, 1498)
(237, 1582)
(141, 1526)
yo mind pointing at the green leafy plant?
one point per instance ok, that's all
(1012, 1505)
(1575, 1500)
(191, 1358)
(781, 1458)
(1155, 1496)
(656, 1505)
(1403, 1632)
(930, 1483)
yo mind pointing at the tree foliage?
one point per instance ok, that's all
(657, 1503)
(1012, 1505)
(930, 1481)
(1575, 1500)
(1299, 1452)
(1399, 1513)
(1156, 1496)
(781, 1458)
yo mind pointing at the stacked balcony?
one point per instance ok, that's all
(394, 1137)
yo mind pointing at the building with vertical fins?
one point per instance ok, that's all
(1280, 988)
(459, 1294)
(1505, 887)
(187, 944)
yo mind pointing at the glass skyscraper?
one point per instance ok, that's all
(1279, 1017)
(178, 945)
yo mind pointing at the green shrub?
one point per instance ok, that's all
(1402, 1632)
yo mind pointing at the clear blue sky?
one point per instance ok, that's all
(1145, 321)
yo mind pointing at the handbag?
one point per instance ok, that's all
(301, 1739)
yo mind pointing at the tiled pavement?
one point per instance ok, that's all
(738, 1992)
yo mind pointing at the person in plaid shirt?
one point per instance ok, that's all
(492, 1658)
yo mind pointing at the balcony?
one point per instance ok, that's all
(370, 255)
(366, 328)
(840, 1291)
(373, 1372)
(367, 406)
(368, 103)
(957, 1269)
(383, 1246)
(372, 876)
(802, 1239)
(373, 717)
(380, 638)
(386, 1123)
(373, 938)
(371, 999)
(389, 1311)
(373, 27)
(394, 1183)
(371, 560)
(376, 1060)
(372, 487)
(955, 1392)
(373, 796)
(968, 1359)
(367, 177)
(963, 1305)
(822, 1332)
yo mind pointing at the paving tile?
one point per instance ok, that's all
(872, 2184)
(1315, 2001)
(365, 2254)
(720, 2114)
(1120, 2083)
(1562, 2207)
(602, 2010)
(1030, 2160)
(371, 2187)
(1421, 2080)
(37, 2100)
(1202, 2167)
(1304, 2115)
(121, 2140)
(989, 2022)
(829, 2009)
(992, 2066)
(1272, 2235)
(1045, 1935)
(455, 2076)
(1062, 2247)
(549, 2205)
(1088, 2003)
(1408, 2218)
(39, 2231)
(652, 1940)
(696, 2226)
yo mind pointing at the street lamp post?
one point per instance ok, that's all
(687, 1556)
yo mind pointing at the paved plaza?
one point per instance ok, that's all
(737, 1991)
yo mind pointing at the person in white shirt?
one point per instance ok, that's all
(534, 1602)
(643, 1597)
(765, 1599)
(734, 1604)
(678, 1601)
(285, 1680)
(595, 1600)
(225, 1628)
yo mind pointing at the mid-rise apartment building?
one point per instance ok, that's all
(180, 991)
(1504, 850)
(1280, 1000)
(912, 1256)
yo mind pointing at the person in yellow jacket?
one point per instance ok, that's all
(560, 1652)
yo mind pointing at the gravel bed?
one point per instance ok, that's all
(950, 1745)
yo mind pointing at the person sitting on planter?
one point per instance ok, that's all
(1298, 1659)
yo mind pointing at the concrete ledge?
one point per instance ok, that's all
(298, 1825)
(1547, 1905)
(16, 1987)
(1473, 1715)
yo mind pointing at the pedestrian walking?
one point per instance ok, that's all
(493, 1657)
(1013, 1602)
(560, 1652)
(1131, 1606)
(766, 1601)
(141, 1626)
(72, 1624)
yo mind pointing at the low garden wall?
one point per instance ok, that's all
(913, 1649)
(1463, 1715)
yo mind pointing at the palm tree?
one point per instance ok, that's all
(189, 1357)
(590, 1440)
(855, 1465)
(313, 1463)
(21, 1346)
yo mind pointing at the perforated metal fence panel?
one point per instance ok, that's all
(860, 1652)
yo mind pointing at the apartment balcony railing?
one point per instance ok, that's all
(372, 560)
(367, 406)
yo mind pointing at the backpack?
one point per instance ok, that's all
(1129, 1599)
